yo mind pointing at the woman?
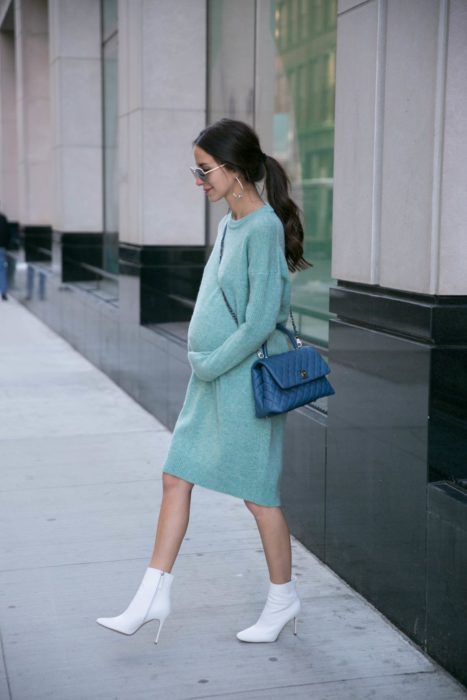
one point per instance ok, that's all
(217, 441)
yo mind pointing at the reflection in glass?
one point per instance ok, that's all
(303, 140)
(272, 64)
(109, 18)
(110, 138)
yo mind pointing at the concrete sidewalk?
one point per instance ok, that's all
(80, 490)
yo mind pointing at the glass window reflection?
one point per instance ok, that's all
(272, 64)
(301, 51)
(110, 137)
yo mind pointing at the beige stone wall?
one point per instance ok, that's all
(8, 133)
(400, 151)
(75, 89)
(33, 112)
(162, 92)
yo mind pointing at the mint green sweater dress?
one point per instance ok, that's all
(217, 441)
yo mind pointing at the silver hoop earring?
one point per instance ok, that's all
(240, 194)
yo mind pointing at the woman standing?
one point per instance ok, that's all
(218, 442)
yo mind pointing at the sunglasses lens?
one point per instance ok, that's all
(198, 174)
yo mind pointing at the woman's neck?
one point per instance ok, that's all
(243, 206)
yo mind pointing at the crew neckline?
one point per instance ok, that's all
(235, 223)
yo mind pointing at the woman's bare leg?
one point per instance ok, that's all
(173, 520)
(275, 537)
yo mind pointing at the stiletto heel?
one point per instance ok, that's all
(151, 602)
(295, 625)
(161, 622)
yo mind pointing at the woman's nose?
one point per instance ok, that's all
(199, 181)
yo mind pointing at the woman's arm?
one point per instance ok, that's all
(265, 281)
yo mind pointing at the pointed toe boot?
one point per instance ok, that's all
(151, 602)
(282, 605)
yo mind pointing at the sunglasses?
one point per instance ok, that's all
(200, 174)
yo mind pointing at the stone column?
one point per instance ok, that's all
(397, 347)
(75, 88)
(33, 110)
(8, 137)
(162, 93)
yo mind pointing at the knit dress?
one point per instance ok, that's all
(217, 441)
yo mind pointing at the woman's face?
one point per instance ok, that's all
(220, 182)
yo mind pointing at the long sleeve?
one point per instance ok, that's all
(263, 306)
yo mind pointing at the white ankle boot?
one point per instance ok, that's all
(282, 605)
(151, 602)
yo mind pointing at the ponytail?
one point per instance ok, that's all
(277, 188)
(236, 144)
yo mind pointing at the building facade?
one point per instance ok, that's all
(365, 102)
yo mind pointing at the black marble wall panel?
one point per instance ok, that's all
(55, 304)
(154, 352)
(304, 477)
(37, 242)
(439, 322)
(179, 375)
(68, 309)
(129, 358)
(377, 470)
(14, 239)
(448, 413)
(80, 252)
(92, 329)
(78, 319)
(129, 301)
(109, 353)
(434, 319)
(446, 579)
(168, 280)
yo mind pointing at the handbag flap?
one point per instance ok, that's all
(295, 367)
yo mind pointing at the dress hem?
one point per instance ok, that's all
(205, 484)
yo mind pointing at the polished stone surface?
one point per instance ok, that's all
(448, 413)
(154, 370)
(168, 279)
(37, 243)
(446, 582)
(81, 252)
(377, 470)
(423, 317)
(396, 423)
(304, 477)
(439, 322)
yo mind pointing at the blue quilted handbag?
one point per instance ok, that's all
(288, 380)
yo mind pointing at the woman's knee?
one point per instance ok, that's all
(172, 483)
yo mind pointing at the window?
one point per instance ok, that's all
(258, 48)
(110, 135)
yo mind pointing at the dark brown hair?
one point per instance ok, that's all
(237, 145)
